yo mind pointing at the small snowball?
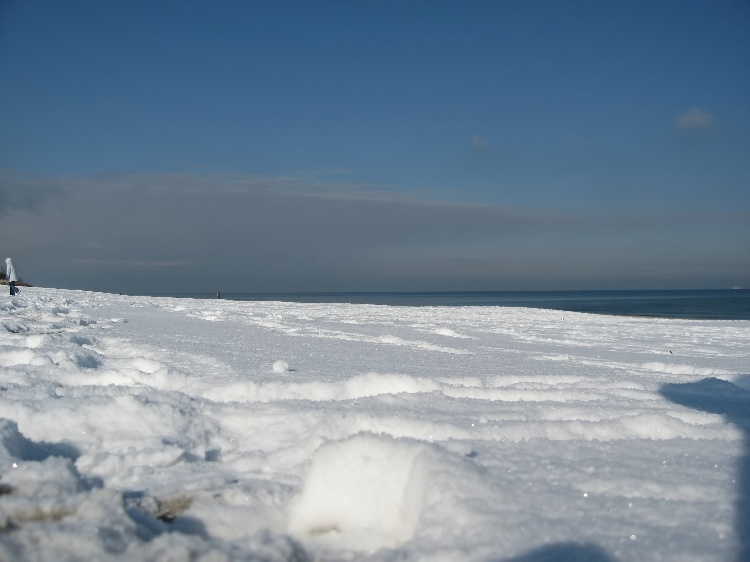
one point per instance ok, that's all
(280, 366)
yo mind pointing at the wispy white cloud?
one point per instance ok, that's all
(695, 119)
(479, 142)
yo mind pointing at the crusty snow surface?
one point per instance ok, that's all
(140, 428)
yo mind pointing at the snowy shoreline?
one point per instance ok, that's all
(158, 428)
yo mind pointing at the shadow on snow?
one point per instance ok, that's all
(721, 397)
(565, 552)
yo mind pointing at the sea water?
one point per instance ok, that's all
(729, 304)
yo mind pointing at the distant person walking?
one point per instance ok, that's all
(10, 275)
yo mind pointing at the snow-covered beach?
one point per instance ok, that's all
(143, 428)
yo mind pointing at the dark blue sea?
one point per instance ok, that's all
(707, 304)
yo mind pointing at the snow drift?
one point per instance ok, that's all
(137, 428)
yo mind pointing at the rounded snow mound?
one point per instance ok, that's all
(369, 491)
(366, 489)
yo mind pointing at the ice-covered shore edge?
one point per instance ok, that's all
(138, 428)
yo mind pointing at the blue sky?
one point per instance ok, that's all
(291, 146)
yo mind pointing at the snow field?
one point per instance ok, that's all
(155, 428)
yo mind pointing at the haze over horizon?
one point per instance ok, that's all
(386, 146)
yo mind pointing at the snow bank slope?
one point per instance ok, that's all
(157, 428)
